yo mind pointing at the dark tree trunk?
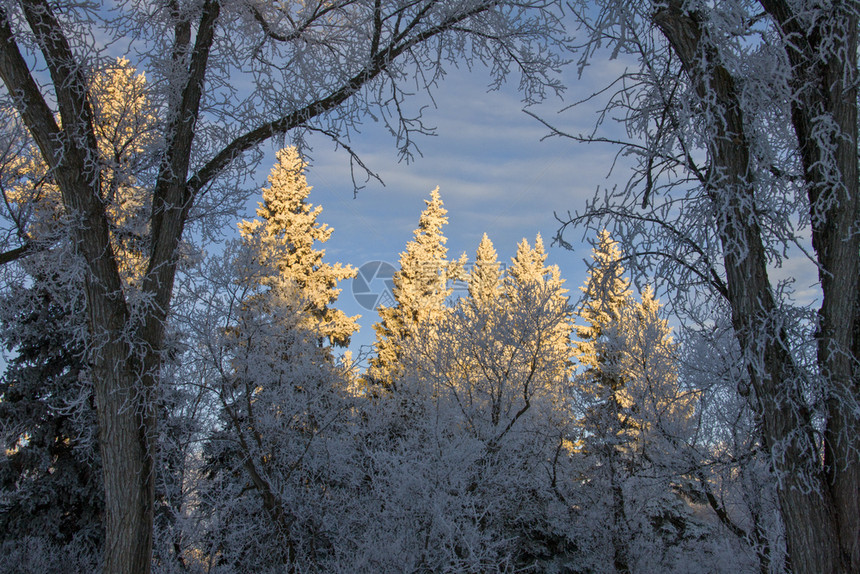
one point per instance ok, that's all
(819, 503)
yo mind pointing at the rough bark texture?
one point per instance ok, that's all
(71, 154)
(819, 503)
(127, 343)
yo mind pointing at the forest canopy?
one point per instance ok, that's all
(171, 408)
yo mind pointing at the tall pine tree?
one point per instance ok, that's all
(282, 242)
(530, 280)
(634, 412)
(606, 297)
(420, 290)
(279, 389)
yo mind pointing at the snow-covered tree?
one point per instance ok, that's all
(664, 408)
(606, 297)
(50, 467)
(268, 491)
(742, 119)
(606, 294)
(226, 77)
(421, 288)
(726, 465)
(636, 417)
(283, 242)
(281, 398)
(529, 273)
(485, 276)
(124, 122)
(52, 486)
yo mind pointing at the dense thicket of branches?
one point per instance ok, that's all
(742, 119)
(224, 77)
(484, 449)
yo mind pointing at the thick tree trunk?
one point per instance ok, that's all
(72, 155)
(819, 504)
(824, 116)
(128, 470)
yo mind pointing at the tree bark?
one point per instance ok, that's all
(824, 79)
(72, 155)
(818, 510)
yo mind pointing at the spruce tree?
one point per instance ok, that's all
(606, 297)
(606, 294)
(50, 471)
(529, 278)
(485, 277)
(649, 363)
(490, 378)
(280, 391)
(634, 412)
(420, 289)
(627, 351)
(527, 267)
(282, 240)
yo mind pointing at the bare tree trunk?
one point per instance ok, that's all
(72, 155)
(819, 505)
(824, 80)
(129, 474)
(620, 534)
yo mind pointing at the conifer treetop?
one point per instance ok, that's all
(528, 267)
(606, 291)
(283, 239)
(485, 277)
(420, 287)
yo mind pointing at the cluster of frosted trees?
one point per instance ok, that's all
(130, 348)
(503, 431)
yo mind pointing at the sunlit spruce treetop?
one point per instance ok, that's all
(420, 287)
(605, 294)
(283, 239)
(530, 279)
(528, 265)
(485, 276)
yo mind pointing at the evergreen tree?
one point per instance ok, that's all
(420, 289)
(606, 297)
(527, 266)
(485, 277)
(123, 120)
(648, 361)
(281, 394)
(489, 382)
(634, 412)
(529, 278)
(628, 353)
(283, 240)
(606, 294)
(50, 470)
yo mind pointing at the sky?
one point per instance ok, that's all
(497, 173)
(494, 172)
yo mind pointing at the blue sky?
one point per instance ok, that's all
(494, 173)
